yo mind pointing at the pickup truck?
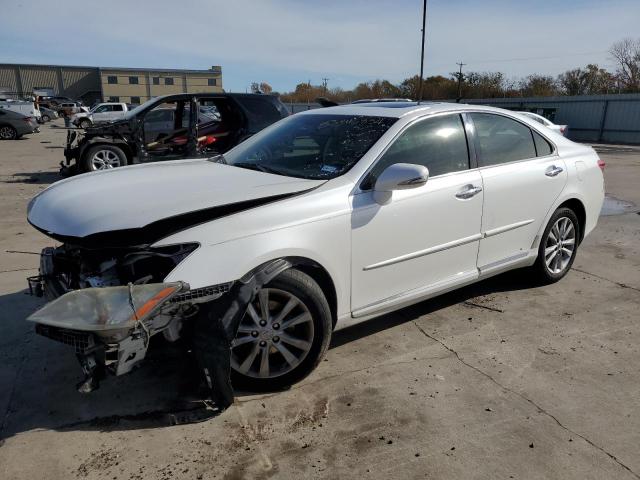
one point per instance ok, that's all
(100, 113)
(168, 128)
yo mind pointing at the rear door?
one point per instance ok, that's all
(522, 177)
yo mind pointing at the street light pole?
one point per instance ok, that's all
(424, 21)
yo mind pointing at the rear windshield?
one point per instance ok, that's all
(310, 146)
(262, 112)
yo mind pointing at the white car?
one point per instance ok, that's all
(100, 113)
(327, 218)
(561, 129)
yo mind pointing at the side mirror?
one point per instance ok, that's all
(401, 176)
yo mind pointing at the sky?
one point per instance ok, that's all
(286, 42)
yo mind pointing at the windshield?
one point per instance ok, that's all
(310, 146)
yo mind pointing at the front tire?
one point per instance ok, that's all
(558, 246)
(283, 335)
(85, 123)
(103, 157)
(46, 118)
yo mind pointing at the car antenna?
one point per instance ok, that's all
(424, 21)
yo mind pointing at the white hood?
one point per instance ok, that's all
(136, 196)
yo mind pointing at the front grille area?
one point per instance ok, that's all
(213, 290)
(81, 342)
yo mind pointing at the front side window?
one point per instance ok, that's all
(317, 146)
(502, 139)
(112, 79)
(101, 109)
(438, 143)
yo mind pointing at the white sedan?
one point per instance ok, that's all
(325, 219)
(561, 129)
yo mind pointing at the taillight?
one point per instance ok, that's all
(601, 164)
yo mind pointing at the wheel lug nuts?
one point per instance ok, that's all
(254, 333)
(263, 323)
(263, 343)
(276, 326)
(276, 339)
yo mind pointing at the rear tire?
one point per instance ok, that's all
(46, 118)
(558, 246)
(7, 132)
(304, 342)
(103, 157)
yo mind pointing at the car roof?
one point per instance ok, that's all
(398, 109)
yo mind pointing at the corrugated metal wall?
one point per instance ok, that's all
(591, 118)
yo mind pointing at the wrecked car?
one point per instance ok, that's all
(163, 128)
(325, 219)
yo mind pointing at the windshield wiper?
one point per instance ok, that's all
(218, 159)
(258, 167)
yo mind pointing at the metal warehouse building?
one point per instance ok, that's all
(591, 118)
(91, 84)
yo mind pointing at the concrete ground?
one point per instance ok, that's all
(498, 380)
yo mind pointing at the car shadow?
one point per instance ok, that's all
(39, 375)
(39, 178)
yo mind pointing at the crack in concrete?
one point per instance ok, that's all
(527, 399)
(18, 270)
(478, 305)
(620, 284)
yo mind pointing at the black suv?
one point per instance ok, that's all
(172, 127)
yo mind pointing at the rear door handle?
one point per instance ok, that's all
(553, 171)
(468, 191)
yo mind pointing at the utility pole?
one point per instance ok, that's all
(424, 22)
(325, 82)
(460, 81)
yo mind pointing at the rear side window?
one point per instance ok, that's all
(501, 139)
(543, 148)
(261, 112)
(438, 143)
(116, 108)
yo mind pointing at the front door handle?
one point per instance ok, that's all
(553, 171)
(468, 191)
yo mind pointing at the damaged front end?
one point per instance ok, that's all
(108, 303)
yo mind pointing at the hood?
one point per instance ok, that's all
(141, 204)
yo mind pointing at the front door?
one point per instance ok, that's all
(421, 239)
(522, 179)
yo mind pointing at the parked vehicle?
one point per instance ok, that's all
(100, 113)
(24, 107)
(561, 129)
(328, 218)
(68, 109)
(14, 125)
(47, 114)
(163, 129)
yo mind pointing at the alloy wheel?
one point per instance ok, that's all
(104, 159)
(275, 335)
(7, 133)
(560, 245)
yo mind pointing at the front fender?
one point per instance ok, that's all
(326, 242)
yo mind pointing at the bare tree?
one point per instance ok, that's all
(626, 53)
(265, 88)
